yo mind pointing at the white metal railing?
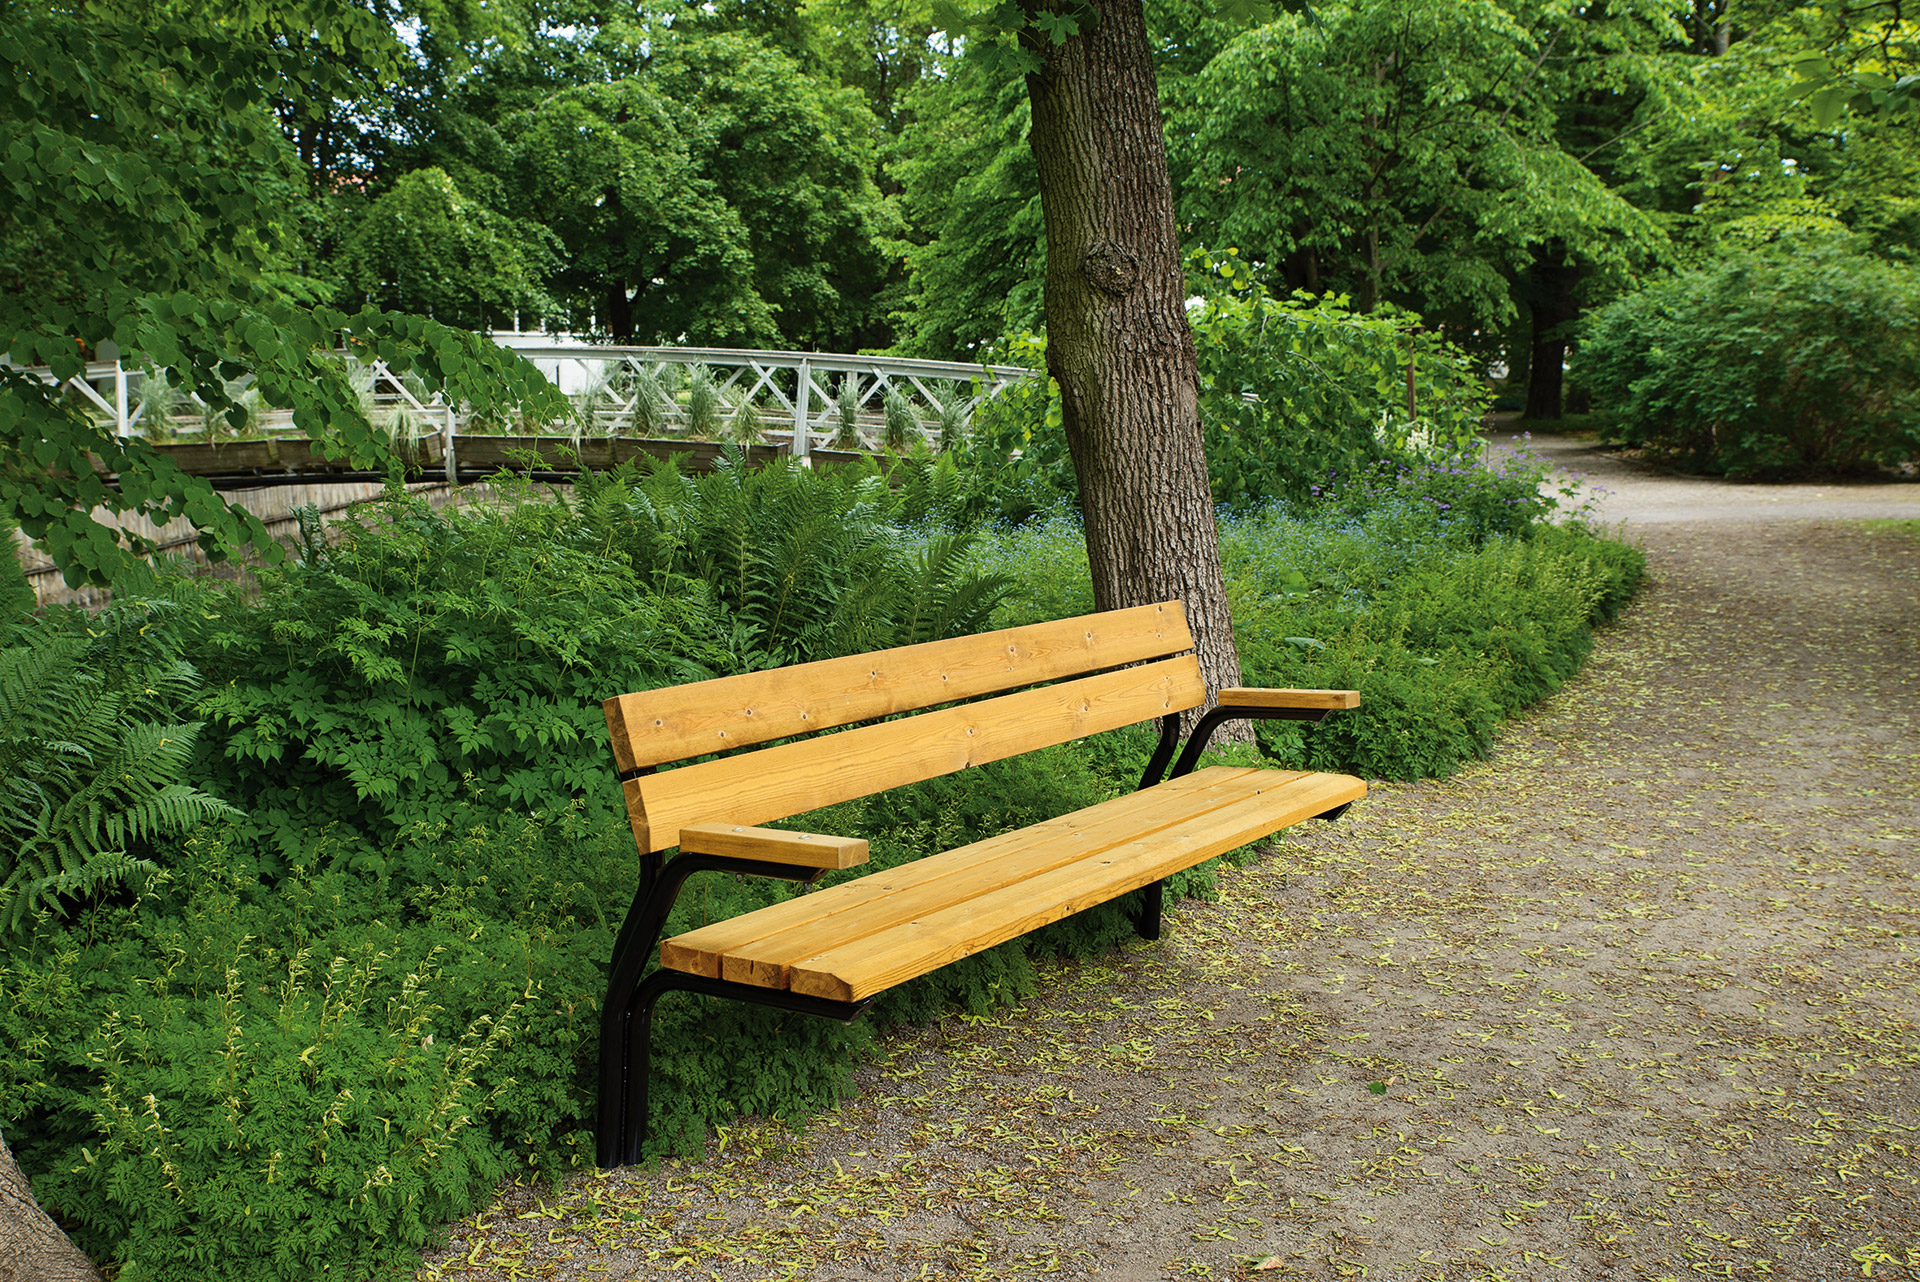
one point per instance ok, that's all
(807, 400)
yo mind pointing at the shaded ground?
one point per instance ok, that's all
(1635, 999)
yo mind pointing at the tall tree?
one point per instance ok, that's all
(1118, 342)
(144, 175)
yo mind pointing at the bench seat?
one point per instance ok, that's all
(862, 937)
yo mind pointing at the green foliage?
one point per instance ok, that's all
(424, 246)
(903, 424)
(792, 564)
(1442, 638)
(1015, 460)
(1399, 150)
(306, 1078)
(794, 155)
(846, 414)
(1768, 366)
(146, 181)
(1292, 393)
(703, 403)
(422, 661)
(969, 185)
(91, 758)
(1295, 391)
(609, 170)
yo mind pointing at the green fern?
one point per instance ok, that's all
(85, 774)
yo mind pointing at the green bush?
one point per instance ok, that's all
(424, 661)
(1766, 366)
(1442, 638)
(92, 755)
(1300, 390)
(1293, 393)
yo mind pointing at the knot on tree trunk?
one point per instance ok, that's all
(1110, 267)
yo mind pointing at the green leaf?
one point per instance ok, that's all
(1828, 102)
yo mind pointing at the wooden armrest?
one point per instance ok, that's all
(805, 849)
(1238, 697)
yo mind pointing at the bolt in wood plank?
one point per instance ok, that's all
(652, 727)
(879, 961)
(699, 952)
(772, 783)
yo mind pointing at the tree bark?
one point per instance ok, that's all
(1555, 304)
(1118, 342)
(32, 1247)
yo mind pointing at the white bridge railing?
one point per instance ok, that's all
(803, 400)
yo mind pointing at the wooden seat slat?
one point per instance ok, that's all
(982, 869)
(699, 951)
(772, 783)
(876, 962)
(652, 727)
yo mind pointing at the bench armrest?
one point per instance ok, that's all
(1323, 700)
(1241, 701)
(773, 845)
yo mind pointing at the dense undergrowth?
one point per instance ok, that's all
(292, 1041)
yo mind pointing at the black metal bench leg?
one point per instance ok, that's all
(1146, 922)
(620, 1137)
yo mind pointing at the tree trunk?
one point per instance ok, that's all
(1555, 305)
(32, 1247)
(1118, 342)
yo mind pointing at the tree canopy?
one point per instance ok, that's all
(239, 197)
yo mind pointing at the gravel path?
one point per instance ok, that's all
(1634, 999)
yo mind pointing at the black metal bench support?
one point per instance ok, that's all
(1146, 922)
(626, 1016)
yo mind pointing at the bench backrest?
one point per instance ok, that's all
(655, 727)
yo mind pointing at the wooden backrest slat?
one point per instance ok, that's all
(773, 783)
(653, 727)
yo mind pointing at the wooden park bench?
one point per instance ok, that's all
(977, 699)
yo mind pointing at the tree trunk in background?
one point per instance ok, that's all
(1118, 342)
(32, 1247)
(1554, 304)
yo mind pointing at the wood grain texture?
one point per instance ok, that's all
(772, 783)
(653, 727)
(878, 961)
(1241, 697)
(699, 951)
(804, 849)
(967, 874)
(863, 932)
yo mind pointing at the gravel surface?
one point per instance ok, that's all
(1634, 998)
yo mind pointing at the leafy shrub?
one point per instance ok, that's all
(792, 564)
(903, 424)
(1291, 392)
(1015, 459)
(703, 403)
(91, 756)
(1506, 492)
(1442, 638)
(423, 661)
(1767, 366)
(1296, 390)
(240, 1079)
